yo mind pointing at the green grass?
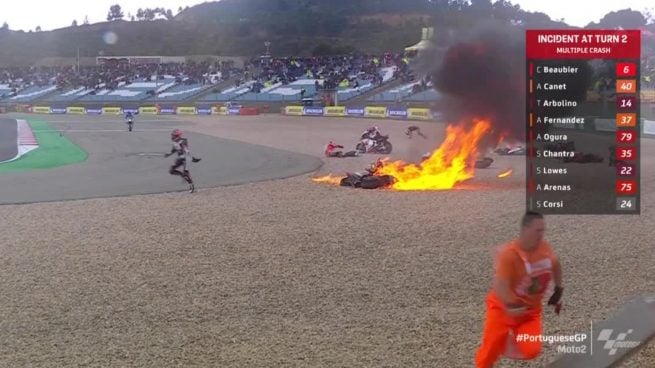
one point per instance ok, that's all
(54, 151)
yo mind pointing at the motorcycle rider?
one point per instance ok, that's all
(181, 147)
(129, 119)
(330, 150)
(371, 136)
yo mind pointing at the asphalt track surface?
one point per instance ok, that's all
(8, 139)
(123, 163)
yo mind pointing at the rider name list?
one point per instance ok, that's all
(575, 152)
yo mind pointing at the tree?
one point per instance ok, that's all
(115, 13)
(74, 24)
(38, 29)
(626, 18)
(179, 10)
(86, 20)
(5, 26)
(169, 14)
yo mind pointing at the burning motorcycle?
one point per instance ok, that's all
(368, 179)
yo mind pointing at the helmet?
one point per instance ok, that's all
(176, 133)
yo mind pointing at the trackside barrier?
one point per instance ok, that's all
(75, 110)
(148, 110)
(112, 111)
(186, 110)
(380, 112)
(601, 125)
(41, 109)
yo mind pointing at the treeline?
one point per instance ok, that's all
(293, 27)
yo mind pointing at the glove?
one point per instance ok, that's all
(195, 159)
(555, 299)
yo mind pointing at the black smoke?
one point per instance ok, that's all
(484, 75)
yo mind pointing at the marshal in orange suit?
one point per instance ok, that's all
(524, 269)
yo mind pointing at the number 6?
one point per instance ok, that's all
(626, 69)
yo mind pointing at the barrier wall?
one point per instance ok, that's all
(363, 111)
(112, 111)
(186, 110)
(76, 110)
(41, 109)
(148, 110)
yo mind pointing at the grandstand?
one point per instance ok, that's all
(135, 80)
(31, 93)
(136, 91)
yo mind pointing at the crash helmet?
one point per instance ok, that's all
(175, 134)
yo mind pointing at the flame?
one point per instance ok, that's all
(505, 173)
(328, 179)
(452, 163)
(501, 139)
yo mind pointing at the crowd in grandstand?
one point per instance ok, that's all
(333, 71)
(328, 72)
(112, 75)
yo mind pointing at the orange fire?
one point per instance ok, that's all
(452, 163)
(505, 173)
(328, 179)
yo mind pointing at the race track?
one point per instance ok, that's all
(8, 139)
(121, 163)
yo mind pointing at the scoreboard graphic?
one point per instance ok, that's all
(583, 124)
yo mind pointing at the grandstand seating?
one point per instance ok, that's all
(228, 94)
(425, 96)
(394, 94)
(135, 91)
(30, 93)
(180, 92)
(69, 94)
(4, 90)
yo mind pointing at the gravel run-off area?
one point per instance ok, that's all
(290, 273)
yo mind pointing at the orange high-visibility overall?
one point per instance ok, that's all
(528, 274)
